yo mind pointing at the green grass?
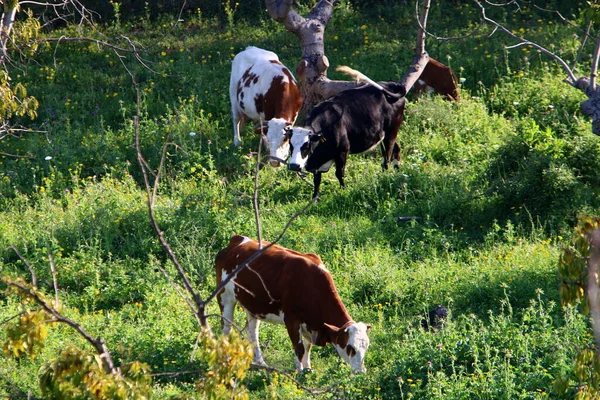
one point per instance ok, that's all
(496, 183)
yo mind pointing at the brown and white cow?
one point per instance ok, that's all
(439, 78)
(287, 287)
(263, 89)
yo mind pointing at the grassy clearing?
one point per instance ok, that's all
(496, 182)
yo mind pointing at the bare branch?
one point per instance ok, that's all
(254, 256)
(98, 343)
(151, 195)
(54, 282)
(31, 271)
(85, 39)
(11, 318)
(421, 57)
(524, 42)
(255, 194)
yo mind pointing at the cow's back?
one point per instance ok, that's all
(290, 282)
(245, 59)
(360, 112)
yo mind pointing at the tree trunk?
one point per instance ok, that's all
(312, 68)
(9, 14)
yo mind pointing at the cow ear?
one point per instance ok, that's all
(332, 329)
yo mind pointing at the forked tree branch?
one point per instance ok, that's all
(24, 261)
(572, 79)
(99, 344)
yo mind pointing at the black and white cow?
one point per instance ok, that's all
(351, 122)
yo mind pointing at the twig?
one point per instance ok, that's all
(54, 282)
(11, 318)
(255, 194)
(85, 39)
(98, 343)
(31, 271)
(524, 42)
(259, 252)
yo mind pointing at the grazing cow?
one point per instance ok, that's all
(263, 89)
(287, 287)
(439, 78)
(353, 121)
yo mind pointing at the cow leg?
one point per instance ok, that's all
(226, 300)
(316, 183)
(396, 156)
(306, 359)
(340, 167)
(386, 153)
(252, 326)
(237, 118)
(295, 333)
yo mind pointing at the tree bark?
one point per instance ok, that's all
(9, 13)
(311, 70)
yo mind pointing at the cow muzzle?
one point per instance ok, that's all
(294, 167)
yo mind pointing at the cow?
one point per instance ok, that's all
(439, 78)
(287, 287)
(353, 121)
(262, 89)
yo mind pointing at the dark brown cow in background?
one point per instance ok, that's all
(287, 287)
(439, 78)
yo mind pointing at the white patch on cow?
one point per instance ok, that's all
(273, 318)
(322, 266)
(358, 339)
(228, 301)
(325, 167)
(245, 240)
(279, 146)
(255, 64)
(300, 136)
(421, 82)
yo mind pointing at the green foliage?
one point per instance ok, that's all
(78, 375)
(228, 359)
(573, 271)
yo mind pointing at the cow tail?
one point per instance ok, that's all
(360, 77)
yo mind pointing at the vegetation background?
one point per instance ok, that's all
(497, 183)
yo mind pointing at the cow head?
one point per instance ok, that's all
(277, 138)
(351, 343)
(303, 141)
